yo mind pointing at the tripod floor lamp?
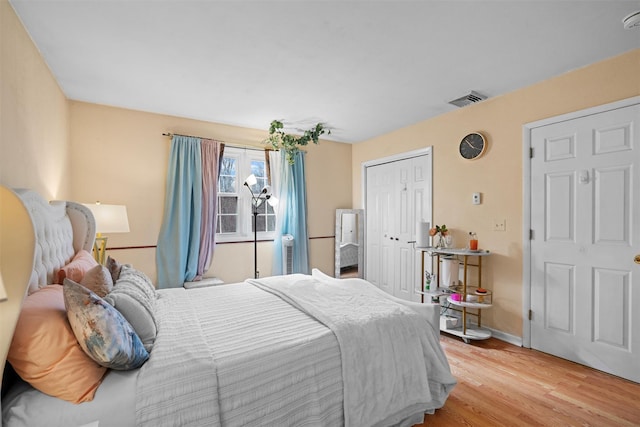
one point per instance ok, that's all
(257, 200)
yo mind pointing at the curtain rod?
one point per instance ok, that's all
(246, 147)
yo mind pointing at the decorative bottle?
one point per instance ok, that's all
(473, 241)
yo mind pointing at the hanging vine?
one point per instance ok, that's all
(290, 143)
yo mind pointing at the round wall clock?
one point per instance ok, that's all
(472, 146)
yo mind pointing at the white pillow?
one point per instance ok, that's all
(134, 296)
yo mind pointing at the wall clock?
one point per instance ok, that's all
(472, 146)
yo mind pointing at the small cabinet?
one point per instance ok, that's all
(468, 298)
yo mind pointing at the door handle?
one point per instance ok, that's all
(637, 259)
(583, 177)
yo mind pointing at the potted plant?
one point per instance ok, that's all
(438, 233)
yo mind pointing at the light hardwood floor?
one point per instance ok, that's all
(500, 384)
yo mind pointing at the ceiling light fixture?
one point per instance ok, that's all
(632, 20)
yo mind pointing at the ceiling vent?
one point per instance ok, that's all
(469, 99)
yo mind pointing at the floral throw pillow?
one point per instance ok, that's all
(103, 333)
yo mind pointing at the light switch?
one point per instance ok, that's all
(475, 198)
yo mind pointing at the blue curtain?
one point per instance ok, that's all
(292, 214)
(179, 240)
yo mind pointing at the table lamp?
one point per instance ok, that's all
(109, 219)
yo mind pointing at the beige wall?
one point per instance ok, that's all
(33, 115)
(120, 156)
(87, 152)
(498, 175)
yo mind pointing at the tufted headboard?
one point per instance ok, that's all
(62, 228)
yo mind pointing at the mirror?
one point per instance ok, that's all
(349, 238)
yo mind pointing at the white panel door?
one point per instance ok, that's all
(585, 216)
(396, 198)
(415, 199)
(379, 248)
(404, 215)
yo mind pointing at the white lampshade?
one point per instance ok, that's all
(251, 180)
(110, 218)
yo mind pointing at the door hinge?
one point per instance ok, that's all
(530, 234)
(530, 314)
(531, 152)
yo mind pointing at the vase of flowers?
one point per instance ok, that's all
(439, 232)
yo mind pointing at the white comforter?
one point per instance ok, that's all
(234, 355)
(238, 356)
(391, 356)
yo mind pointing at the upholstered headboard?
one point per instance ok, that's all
(36, 239)
(62, 228)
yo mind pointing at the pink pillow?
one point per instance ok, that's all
(45, 352)
(80, 264)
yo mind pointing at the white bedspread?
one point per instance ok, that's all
(178, 385)
(391, 357)
(235, 355)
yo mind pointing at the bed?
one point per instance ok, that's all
(283, 350)
(348, 254)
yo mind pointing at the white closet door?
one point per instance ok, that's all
(379, 213)
(398, 195)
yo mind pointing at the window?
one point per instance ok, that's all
(235, 214)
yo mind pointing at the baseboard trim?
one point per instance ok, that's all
(503, 336)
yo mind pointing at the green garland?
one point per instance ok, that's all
(280, 140)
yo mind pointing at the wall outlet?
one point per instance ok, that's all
(499, 225)
(475, 198)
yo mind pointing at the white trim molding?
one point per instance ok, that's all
(527, 129)
(503, 336)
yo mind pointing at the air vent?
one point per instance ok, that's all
(471, 98)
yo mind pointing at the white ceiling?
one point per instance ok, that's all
(364, 68)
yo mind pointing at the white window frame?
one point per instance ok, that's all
(245, 213)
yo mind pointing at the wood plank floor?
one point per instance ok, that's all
(500, 384)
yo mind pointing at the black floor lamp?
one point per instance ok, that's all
(256, 201)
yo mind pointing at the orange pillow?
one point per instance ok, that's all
(82, 262)
(45, 352)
